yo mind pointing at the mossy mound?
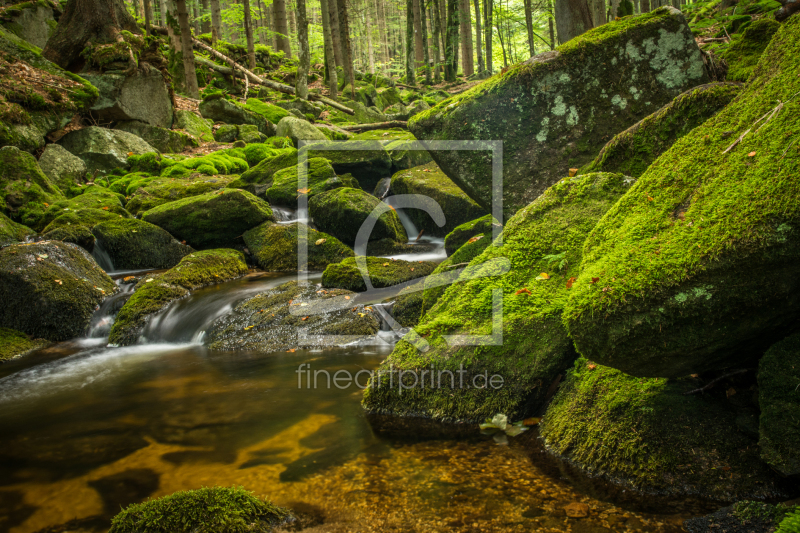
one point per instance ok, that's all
(383, 272)
(80, 235)
(745, 50)
(285, 188)
(206, 510)
(556, 110)
(543, 244)
(779, 399)
(291, 316)
(87, 217)
(407, 308)
(231, 161)
(160, 191)
(666, 286)
(269, 111)
(11, 232)
(136, 244)
(50, 289)
(275, 247)
(429, 181)
(366, 161)
(341, 212)
(463, 233)
(94, 198)
(216, 218)
(25, 191)
(14, 343)
(259, 178)
(156, 292)
(633, 150)
(647, 434)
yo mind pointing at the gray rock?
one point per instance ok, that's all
(104, 149)
(141, 96)
(34, 22)
(249, 134)
(222, 110)
(63, 168)
(161, 139)
(304, 106)
(298, 129)
(192, 124)
(226, 133)
(417, 106)
(368, 115)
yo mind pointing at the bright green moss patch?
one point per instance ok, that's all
(464, 232)
(744, 52)
(206, 510)
(95, 198)
(285, 188)
(275, 247)
(14, 343)
(86, 217)
(790, 524)
(262, 173)
(136, 244)
(382, 272)
(11, 232)
(269, 111)
(24, 188)
(150, 193)
(342, 211)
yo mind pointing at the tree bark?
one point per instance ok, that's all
(281, 27)
(789, 8)
(336, 39)
(205, 25)
(216, 21)
(189, 71)
(148, 16)
(417, 33)
(572, 19)
(410, 63)
(437, 32)
(645, 6)
(330, 60)
(551, 24)
(248, 32)
(380, 13)
(466, 38)
(425, 50)
(301, 86)
(488, 7)
(368, 30)
(479, 35)
(347, 55)
(451, 52)
(529, 26)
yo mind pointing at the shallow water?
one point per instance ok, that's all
(87, 429)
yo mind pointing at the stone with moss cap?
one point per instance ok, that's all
(383, 272)
(779, 400)
(205, 510)
(11, 232)
(299, 130)
(543, 244)
(270, 111)
(50, 289)
(667, 285)
(285, 187)
(649, 436)
(745, 50)
(159, 191)
(461, 234)
(259, 178)
(215, 107)
(162, 139)
(633, 150)
(83, 217)
(291, 316)
(154, 293)
(64, 169)
(274, 247)
(366, 160)
(80, 235)
(93, 197)
(556, 110)
(216, 218)
(341, 212)
(24, 188)
(142, 95)
(136, 244)
(103, 149)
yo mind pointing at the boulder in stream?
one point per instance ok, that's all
(382, 271)
(342, 211)
(274, 247)
(285, 188)
(135, 244)
(159, 191)
(14, 343)
(366, 160)
(11, 232)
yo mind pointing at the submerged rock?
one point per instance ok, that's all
(142, 95)
(64, 169)
(11, 232)
(342, 211)
(50, 289)
(383, 272)
(556, 110)
(14, 343)
(293, 315)
(274, 247)
(298, 129)
(136, 244)
(667, 285)
(25, 191)
(216, 218)
(156, 292)
(103, 149)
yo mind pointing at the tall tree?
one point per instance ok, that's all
(451, 52)
(148, 16)
(488, 8)
(529, 25)
(248, 32)
(347, 50)
(598, 10)
(380, 11)
(281, 26)
(336, 39)
(189, 71)
(206, 22)
(466, 37)
(572, 19)
(437, 32)
(330, 60)
(301, 86)
(418, 54)
(425, 51)
(410, 55)
(551, 23)
(216, 22)
(478, 35)
(368, 29)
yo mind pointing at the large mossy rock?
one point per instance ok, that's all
(293, 315)
(142, 95)
(64, 169)
(11, 232)
(155, 293)
(94, 198)
(25, 191)
(698, 266)
(50, 289)
(32, 21)
(14, 343)
(219, 109)
(429, 181)
(135, 244)
(80, 235)
(633, 150)
(213, 219)
(160, 191)
(744, 52)
(274, 247)
(103, 149)
(162, 139)
(285, 188)
(556, 110)
(382, 272)
(270, 111)
(366, 161)
(192, 124)
(779, 399)
(466, 231)
(259, 178)
(342, 211)
(543, 244)
(648, 435)
(298, 130)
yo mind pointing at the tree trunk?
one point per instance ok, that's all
(488, 7)
(380, 13)
(466, 38)
(281, 27)
(572, 19)
(368, 30)
(645, 6)
(336, 39)
(216, 21)
(410, 66)
(148, 16)
(426, 56)
(195, 12)
(417, 33)
(347, 55)
(479, 35)
(330, 60)
(529, 26)
(248, 32)
(301, 86)
(84, 20)
(551, 24)
(437, 32)
(186, 50)
(451, 52)
(205, 25)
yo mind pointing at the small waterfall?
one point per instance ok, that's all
(101, 256)
(103, 318)
(286, 215)
(408, 225)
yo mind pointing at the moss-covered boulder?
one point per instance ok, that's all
(293, 315)
(162, 139)
(11, 232)
(14, 343)
(274, 247)
(83, 217)
(94, 197)
(163, 190)
(141, 95)
(226, 133)
(745, 50)
(466, 231)
(155, 293)
(342, 211)
(633, 150)
(667, 285)
(383, 272)
(556, 110)
(192, 124)
(541, 249)
(25, 191)
(407, 307)
(135, 244)
(216, 218)
(650, 436)
(429, 181)
(32, 21)
(217, 509)
(259, 178)
(779, 399)
(366, 161)
(285, 187)
(64, 169)
(80, 235)
(219, 109)
(103, 149)
(270, 111)
(50, 289)
(298, 130)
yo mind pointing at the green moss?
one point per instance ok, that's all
(227, 133)
(269, 111)
(158, 191)
(545, 237)
(136, 244)
(633, 150)
(790, 524)
(342, 211)
(367, 161)
(221, 162)
(11, 232)
(699, 222)
(262, 173)
(94, 198)
(285, 188)
(162, 139)
(407, 308)
(14, 343)
(382, 272)
(386, 136)
(743, 53)
(748, 511)
(24, 188)
(464, 232)
(213, 219)
(648, 435)
(87, 218)
(80, 235)
(275, 247)
(206, 510)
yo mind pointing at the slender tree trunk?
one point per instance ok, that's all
(347, 55)
(529, 26)
(479, 35)
(205, 25)
(488, 8)
(189, 71)
(645, 6)
(248, 32)
(451, 52)
(330, 61)
(216, 21)
(425, 51)
(380, 12)
(551, 24)
(195, 20)
(466, 38)
(417, 33)
(336, 39)
(368, 30)
(148, 16)
(572, 19)
(301, 86)
(281, 26)
(437, 32)
(410, 66)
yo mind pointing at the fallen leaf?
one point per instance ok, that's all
(346, 297)
(392, 208)
(543, 275)
(412, 269)
(105, 209)
(304, 318)
(59, 282)
(523, 291)
(649, 198)
(148, 280)
(570, 281)
(591, 367)
(292, 350)
(46, 204)
(320, 241)
(361, 314)
(573, 172)
(304, 191)
(476, 238)
(751, 154)
(595, 280)
(730, 392)
(531, 421)
(386, 264)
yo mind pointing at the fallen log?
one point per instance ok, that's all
(358, 128)
(790, 7)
